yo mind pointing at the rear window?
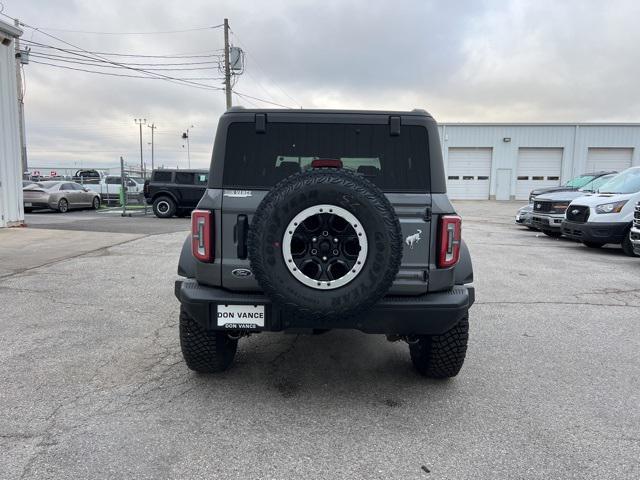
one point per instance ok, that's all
(185, 178)
(259, 160)
(162, 176)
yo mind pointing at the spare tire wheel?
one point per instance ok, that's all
(325, 243)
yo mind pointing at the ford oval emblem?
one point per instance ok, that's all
(241, 272)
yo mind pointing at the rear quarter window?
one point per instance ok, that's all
(185, 178)
(259, 160)
(162, 176)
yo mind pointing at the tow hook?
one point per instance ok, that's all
(238, 334)
(410, 339)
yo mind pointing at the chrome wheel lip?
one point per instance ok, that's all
(324, 284)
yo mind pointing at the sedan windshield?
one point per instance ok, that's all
(579, 181)
(626, 182)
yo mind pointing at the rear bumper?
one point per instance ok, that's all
(597, 232)
(428, 314)
(547, 222)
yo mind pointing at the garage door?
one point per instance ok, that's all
(537, 167)
(468, 173)
(617, 159)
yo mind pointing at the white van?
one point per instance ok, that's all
(607, 216)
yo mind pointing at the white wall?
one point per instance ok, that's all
(574, 139)
(11, 207)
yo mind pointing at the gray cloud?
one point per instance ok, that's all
(463, 61)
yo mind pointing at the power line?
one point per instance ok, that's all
(264, 73)
(114, 54)
(204, 86)
(130, 33)
(103, 65)
(260, 99)
(80, 59)
(158, 75)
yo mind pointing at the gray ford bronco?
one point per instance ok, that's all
(315, 220)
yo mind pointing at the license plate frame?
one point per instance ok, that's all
(240, 317)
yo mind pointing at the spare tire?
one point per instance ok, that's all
(325, 243)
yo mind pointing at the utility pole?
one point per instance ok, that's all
(227, 70)
(23, 137)
(140, 122)
(152, 127)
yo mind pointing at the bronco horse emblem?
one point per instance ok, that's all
(411, 240)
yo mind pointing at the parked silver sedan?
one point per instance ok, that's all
(60, 196)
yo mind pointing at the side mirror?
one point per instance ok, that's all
(85, 189)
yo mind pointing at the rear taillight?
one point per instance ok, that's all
(202, 235)
(145, 189)
(450, 238)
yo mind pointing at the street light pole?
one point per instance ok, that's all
(152, 127)
(185, 136)
(140, 122)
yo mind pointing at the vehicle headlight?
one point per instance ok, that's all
(614, 207)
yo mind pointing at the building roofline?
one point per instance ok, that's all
(10, 29)
(543, 124)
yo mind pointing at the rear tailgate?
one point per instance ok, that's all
(413, 210)
(239, 206)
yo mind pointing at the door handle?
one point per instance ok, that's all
(242, 227)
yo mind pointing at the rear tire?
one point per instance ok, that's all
(552, 233)
(205, 351)
(627, 247)
(63, 206)
(592, 244)
(441, 356)
(164, 207)
(95, 204)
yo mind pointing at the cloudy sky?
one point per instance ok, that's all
(467, 60)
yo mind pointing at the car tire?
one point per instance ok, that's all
(441, 356)
(95, 204)
(627, 246)
(354, 274)
(63, 205)
(592, 244)
(552, 233)
(164, 207)
(205, 351)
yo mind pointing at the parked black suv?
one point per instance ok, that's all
(319, 220)
(175, 192)
(571, 186)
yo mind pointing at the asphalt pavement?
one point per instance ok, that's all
(106, 220)
(92, 383)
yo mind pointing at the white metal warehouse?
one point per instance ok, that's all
(11, 209)
(507, 160)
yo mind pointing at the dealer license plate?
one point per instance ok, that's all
(28, 204)
(241, 316)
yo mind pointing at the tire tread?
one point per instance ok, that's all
(441, 356)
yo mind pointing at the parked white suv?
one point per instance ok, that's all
(607, 216)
